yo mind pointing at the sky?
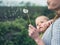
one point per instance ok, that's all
(16, 2)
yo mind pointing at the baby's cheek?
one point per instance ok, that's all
(44, 25)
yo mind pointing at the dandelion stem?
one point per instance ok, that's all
(29, 18)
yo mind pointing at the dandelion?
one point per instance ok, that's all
(26, 12)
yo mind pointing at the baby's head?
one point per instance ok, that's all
(41, 23)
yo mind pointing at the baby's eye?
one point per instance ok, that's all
(42, 22)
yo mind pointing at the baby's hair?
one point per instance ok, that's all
(45, 17)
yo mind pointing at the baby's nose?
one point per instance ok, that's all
(39, 24)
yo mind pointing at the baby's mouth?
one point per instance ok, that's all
(40, 28)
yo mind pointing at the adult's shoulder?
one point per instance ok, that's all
(57, 21)
(56, 24)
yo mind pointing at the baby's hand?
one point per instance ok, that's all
(33, 33)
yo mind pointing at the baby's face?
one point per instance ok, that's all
(41, 25)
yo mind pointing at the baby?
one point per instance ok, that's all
(42, 23)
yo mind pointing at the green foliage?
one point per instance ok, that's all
(14, 33)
